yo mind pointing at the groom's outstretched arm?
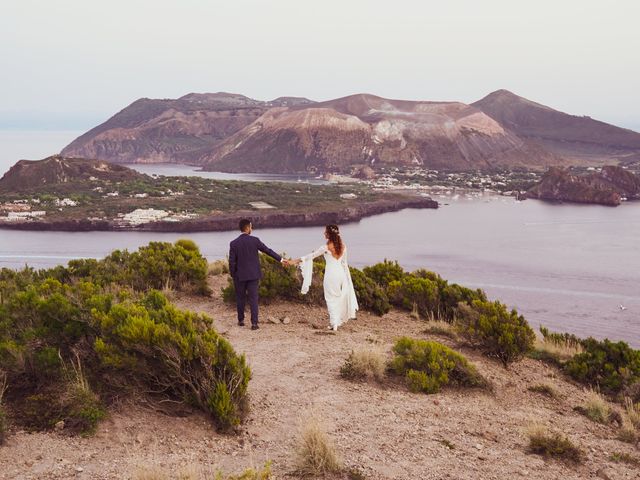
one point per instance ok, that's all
(264, 249)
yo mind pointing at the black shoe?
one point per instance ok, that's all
(254, 327)
(241, 324)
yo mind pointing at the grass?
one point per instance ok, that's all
(596, 407)
(553, 351)
(316, 454)
(544, 389)
(447, 444)
(441, 328)
(630, 429)
(628, 433)
(154, 473)
(623, 457)
(553, 445)
(632, 411)
(218, 267)
(3, 415)
(364, 364)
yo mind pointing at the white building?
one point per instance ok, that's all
(65, 202)
(144, 215)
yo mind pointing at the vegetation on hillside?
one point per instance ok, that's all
(105, 199)
(73, 339)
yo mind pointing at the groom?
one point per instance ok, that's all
(244, 267)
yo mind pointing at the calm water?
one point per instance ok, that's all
(172, 170)
(569, 267)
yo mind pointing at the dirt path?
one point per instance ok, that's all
(384, 432)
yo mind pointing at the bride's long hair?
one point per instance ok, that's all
(333, 235)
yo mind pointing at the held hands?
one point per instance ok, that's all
(288, 262)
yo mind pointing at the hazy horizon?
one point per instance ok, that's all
(73, 64)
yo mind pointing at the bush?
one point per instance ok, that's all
(284, 283)
(176, 353)
(370, 295)
(427, 366)
(553, 444)
(611, 366)
(316, 454)
(423, 292)
(419, 295)
(123, 339)
(544, 389)
(218, 267)
(596, 408)
(384, 273)
(500, 333)
(158, 265)
(364, 363)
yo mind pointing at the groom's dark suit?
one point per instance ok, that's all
(244, 267)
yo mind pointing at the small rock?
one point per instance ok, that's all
(524, 473)
(602, 473)
(79, 469)
(436, 402)
(286, 320)
(59, 425)
(273, 320)
(478, 446)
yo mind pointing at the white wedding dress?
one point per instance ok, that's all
(338, 286)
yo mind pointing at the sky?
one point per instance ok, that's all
(71, 64)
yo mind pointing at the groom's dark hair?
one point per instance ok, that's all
(244, 224)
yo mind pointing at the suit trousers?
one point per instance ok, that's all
(244, 289)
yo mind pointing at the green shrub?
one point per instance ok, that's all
(414, 293)
(175, 352)
(423, 292)
(126, 341)
(284, 283)
(157, 265)
(370, 295)
(611, 366)
(500, 333)
(427, 366)
(384, 273)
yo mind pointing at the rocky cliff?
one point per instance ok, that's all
(607, 187)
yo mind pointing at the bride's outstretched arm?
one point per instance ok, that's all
(306, 267)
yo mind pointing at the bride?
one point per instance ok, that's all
(338, 286)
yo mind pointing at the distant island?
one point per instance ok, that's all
(73, 194)
(233, 133)
(609, 186)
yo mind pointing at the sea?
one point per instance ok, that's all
(573, 268)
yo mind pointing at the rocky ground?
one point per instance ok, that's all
(382, 431)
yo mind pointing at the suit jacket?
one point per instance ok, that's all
(244, 263)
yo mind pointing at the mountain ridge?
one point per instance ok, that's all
(232, 132)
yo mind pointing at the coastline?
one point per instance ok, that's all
(228, 221)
